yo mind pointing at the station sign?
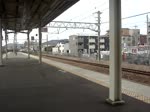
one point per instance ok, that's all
(32, 37)
(44, 29)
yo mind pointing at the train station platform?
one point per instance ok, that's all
(27, 86)
(130, 88)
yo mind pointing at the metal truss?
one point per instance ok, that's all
(74, 25)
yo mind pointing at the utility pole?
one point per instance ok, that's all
(135, 36)
(148, 43)
(147, 30)
(135, 27)
(99, 56)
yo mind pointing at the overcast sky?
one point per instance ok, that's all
(84, 11)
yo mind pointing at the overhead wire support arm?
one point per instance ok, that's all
(74, 25)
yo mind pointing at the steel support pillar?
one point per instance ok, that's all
(15, 44)
(28, 38)
(6, 38)
(89, 46)
(40, 45)
(115, 96)
(1, 55)
(47, 44)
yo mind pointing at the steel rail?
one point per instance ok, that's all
(101, 65)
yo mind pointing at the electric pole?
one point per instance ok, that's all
(148, 43)
(135, 27)
(135, 36)
(99, 56)
(147, 30)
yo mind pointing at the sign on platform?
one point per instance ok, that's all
(32, 37)
(44, 30)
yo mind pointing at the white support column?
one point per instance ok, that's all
(40, 45)
(115, 96)
(6, 38)
(1, 55)
(28, 38)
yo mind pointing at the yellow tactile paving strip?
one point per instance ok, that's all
(136, 95)
(128, 92)
(124, 91)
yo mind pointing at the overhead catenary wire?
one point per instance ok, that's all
(91, 15)
(84, 13)
(122, 18)
(137, 23)
(136, 15)
(129, 17)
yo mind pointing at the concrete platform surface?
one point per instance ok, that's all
(26, 86)
(136, 90)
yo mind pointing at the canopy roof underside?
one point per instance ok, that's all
(20, 15)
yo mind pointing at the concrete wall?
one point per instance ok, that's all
(80, 44)
(73, 41)
(55, 50)
(135, 34)
(66, 48)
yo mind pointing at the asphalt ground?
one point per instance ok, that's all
(26, 86)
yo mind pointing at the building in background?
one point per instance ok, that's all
(66, 48)
(104, 43)
(92, 43)
(143, 40)
(76, 45)
(126, 39)
(87, 44)
(130, 37)
(135, 35)
(61, 48)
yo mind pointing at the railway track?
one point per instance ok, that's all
(101, 65)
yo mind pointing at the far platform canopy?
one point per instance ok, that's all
(21, 15)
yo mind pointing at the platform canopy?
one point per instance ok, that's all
(20, 15)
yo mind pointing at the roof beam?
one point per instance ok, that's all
(33, 15)
(17, 7)
(26, 14)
